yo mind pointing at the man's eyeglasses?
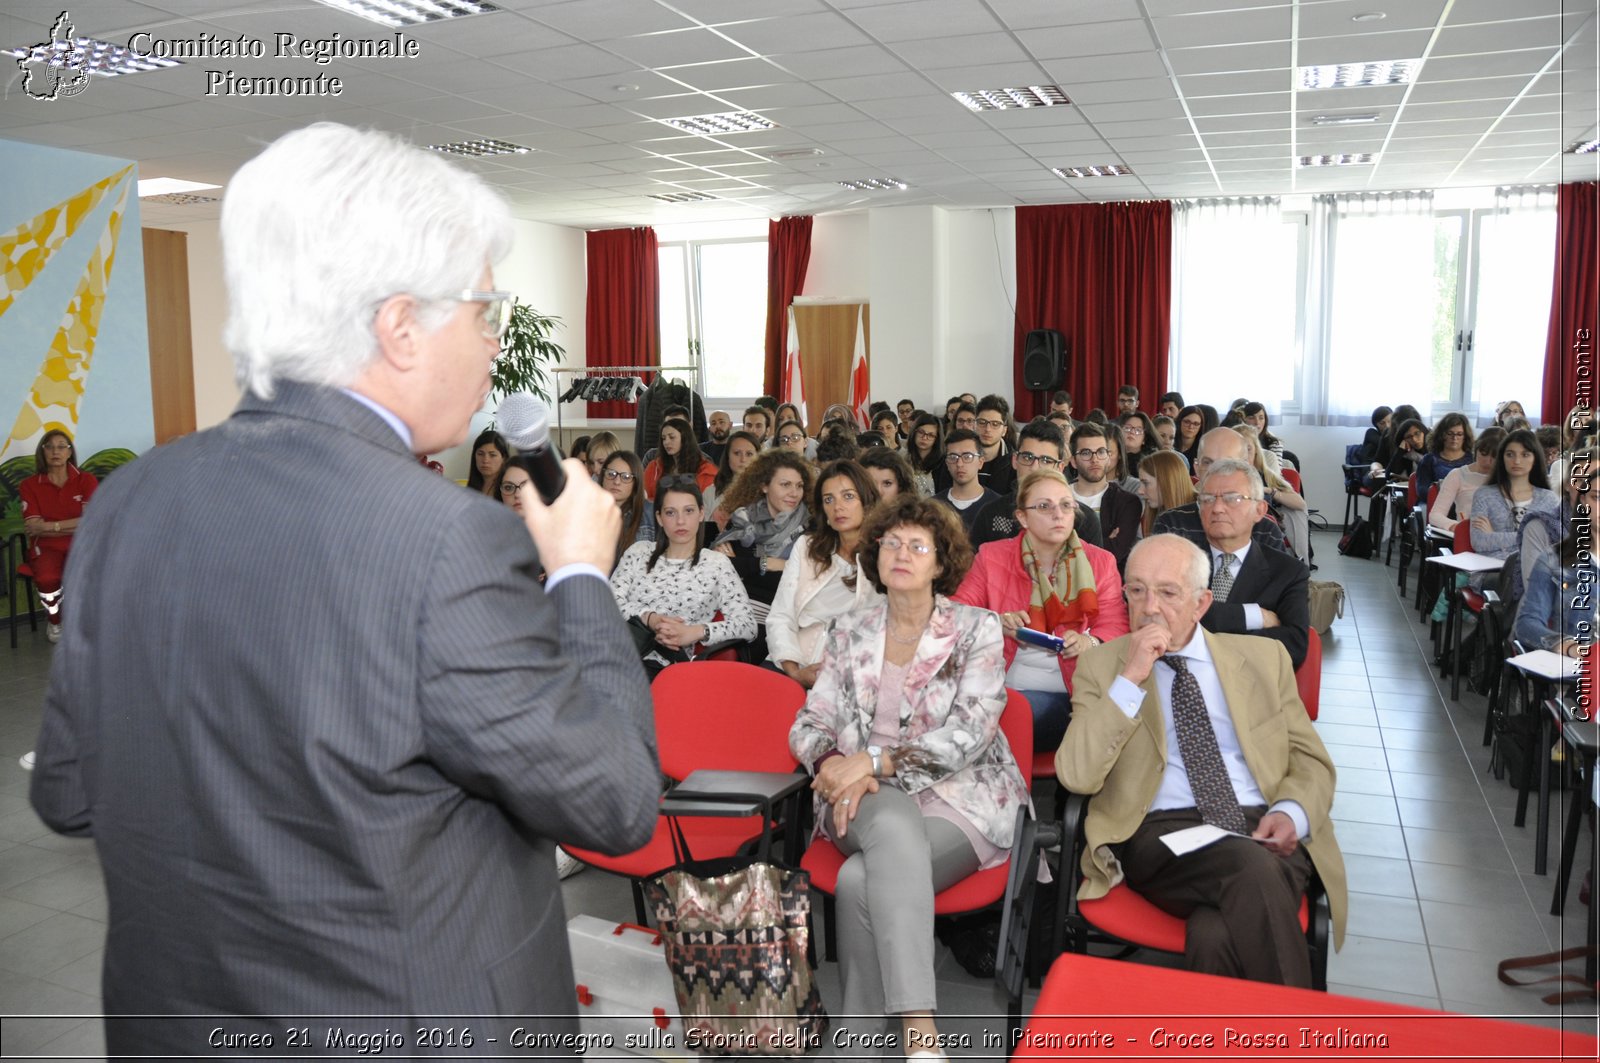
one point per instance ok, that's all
(621, 476)
(511, 487)
(988, 422)
(496, 316)
(1050, 509)
(1086, 454)
(964, 457)
(1229, 498)
(1025, 458)
(917, 546)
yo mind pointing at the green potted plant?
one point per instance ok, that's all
(524, 350)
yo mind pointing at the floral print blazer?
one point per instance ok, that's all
(949, 718)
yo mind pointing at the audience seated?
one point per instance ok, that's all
(768, 513)
(1192, 424)
(1040, 446)
(1577, 432)
(1048, 580)
(998, 473)
(737, 454)
(1117, 509)
(925, 451)
(1558, 607)
(1255, 415)
(1541, 533)
(1138, 440)
(719, 426)
(1399, 431)
(1284, 503)
(52, 504)
(1127, 400)
(914, 780)
(1061, 406)
(579, 449)
(792, 437)
(1505, 411)
(1372, 442)
(1216, 445)
(1454, 502)
(891, 473)
(1138, 743)
(839, 442)
(758, 421)
(679, 456)
(887, 425)
(489, 452)
(1118, 462)
(1170, 405)
(1449, 447)
(1518, 488)
(820, 582)
(1163, 484)
(671, 590)
(601, 446)
(1256, 590)
(623, 479)
(966, 494)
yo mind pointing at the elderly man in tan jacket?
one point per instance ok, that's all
(1173, 726)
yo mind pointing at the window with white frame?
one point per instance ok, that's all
(714, 306)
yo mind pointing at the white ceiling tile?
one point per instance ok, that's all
(1095, 38)
(986, 76)
(922, 19)
(678, 48)
(1091, 68)
(878, 86)
(1430, 90)
(1236, 83)
(1032, 14)
(728, 74)
(1245, 103)
(1334, 19)
(1464, 11)
(1548, 32)
(1117, 112)
(800, 33)
(1371, 98)
(1238, 57)
(1494, 64)
(1122, 91)
(909, 107)
(1224, 27)
(763, 97)
(839, 62)
(597, 19)
(938, 52)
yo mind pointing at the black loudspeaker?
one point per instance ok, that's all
(1043, 360)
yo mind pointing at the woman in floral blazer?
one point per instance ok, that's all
(914, 781)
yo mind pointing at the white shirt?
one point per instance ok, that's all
(1174, 791)
(1089, 501)
(1253, 620)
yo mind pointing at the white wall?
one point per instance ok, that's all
(979, 300)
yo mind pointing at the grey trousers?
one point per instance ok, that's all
(897, 860)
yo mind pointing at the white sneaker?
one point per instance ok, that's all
(27, 761)
(567, 865)
(52, 632)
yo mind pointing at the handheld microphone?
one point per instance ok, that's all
(525, 422)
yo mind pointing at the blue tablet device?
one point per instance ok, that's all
(1040, 639)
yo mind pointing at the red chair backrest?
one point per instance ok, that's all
(1463, 542)
(1292, 478)
(1433, 496)
(1016, 723)
(1411, 492)
(725, 715)
(1308, 677)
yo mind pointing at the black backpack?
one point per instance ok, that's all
(1357, 542)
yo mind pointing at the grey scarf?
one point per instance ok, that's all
(755, 528)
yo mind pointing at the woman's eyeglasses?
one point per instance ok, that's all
(621, 476)
(1050, 509)
(511, 487)
(893, 544)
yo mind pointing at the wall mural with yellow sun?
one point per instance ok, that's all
(74, 347)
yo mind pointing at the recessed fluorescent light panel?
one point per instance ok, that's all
(1363, 158)
(397, 13)
(166, 186)
(875, 184)
(97, 57)
(1586, 148)
(1342, 119)
(683, 197)
(1109, 170)
(1360, 75)
(732, 122)
(1008, 99)
(478, 149)
(791, 153)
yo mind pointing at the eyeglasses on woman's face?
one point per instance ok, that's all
(1049, 508)
(894, 544)
(789, 439)
(509, 488)
(619, 476)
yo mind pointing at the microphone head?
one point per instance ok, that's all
(524, 421)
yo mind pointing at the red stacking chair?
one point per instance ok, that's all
(720, 715)
(1292, 478)
(1308, 677)
(1123, 917)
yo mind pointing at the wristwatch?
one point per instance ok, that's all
(876, 753)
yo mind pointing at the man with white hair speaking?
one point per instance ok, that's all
(315, 709)
(1173, 727)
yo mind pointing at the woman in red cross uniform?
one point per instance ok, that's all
(52, 503)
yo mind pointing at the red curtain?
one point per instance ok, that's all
(1101, 275)
(788, 252)
(1569, 349)
(622, 322)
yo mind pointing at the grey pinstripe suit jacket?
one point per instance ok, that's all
(325, 729)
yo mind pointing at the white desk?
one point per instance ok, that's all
(1543, 664)
(1469, 562)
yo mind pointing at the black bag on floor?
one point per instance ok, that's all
(1516, 741)
(1357, 542)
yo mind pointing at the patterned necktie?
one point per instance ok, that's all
(1222, 576)
(1197, 741)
